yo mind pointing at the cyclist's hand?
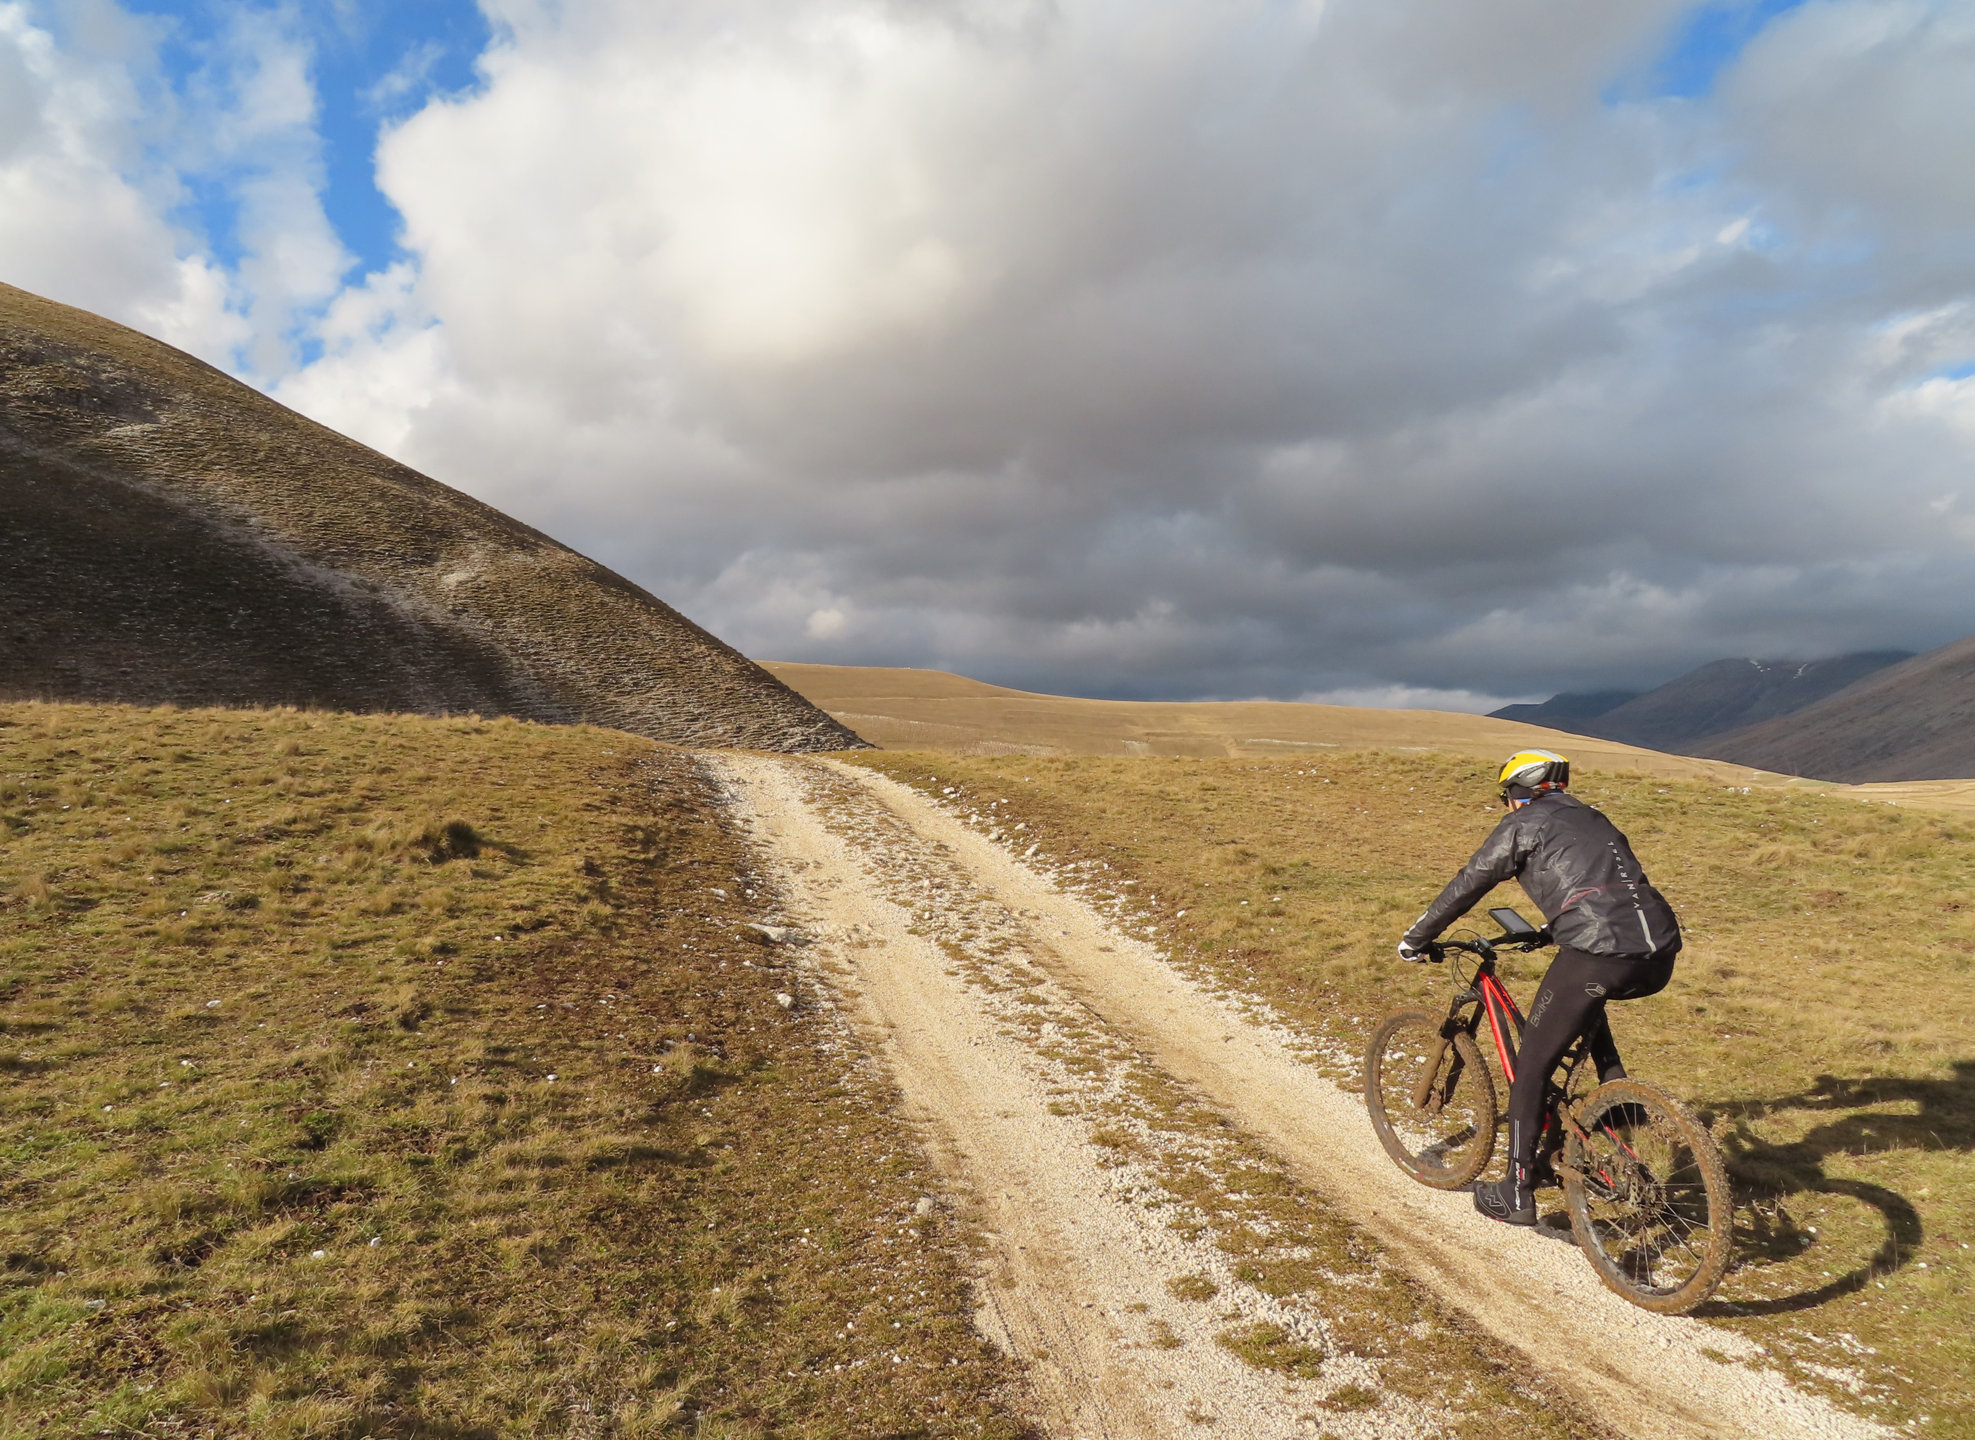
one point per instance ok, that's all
(1418, 954)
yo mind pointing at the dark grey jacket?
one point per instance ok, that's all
(1576, 868)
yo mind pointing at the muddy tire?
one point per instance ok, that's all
(1432, 1100)
(1648, 1196)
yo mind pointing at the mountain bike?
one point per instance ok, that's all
(1642, 1179)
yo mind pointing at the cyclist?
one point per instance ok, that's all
(1616, 939)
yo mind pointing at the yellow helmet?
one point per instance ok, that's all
(1533, 770)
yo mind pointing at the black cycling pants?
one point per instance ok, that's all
(1571, 1002)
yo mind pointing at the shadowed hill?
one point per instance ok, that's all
(1571, 710)
(169, 535)
(1914, 721)
(1690, 713)
(1687, 712)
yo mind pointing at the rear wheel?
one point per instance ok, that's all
(1648, 1196)
(1432, 1100)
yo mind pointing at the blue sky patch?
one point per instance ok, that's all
(1711, 39)
(371, 62)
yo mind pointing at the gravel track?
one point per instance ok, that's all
(1010, 1011)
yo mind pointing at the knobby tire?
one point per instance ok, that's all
(1449, 1142)
(1649, 1198)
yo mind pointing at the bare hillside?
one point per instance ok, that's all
(168, 534)
(1689, 713)
(1914, 721)
(1572, 710)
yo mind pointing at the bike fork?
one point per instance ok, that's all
(1423, 1092)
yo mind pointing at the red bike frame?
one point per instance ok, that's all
(1506, 1023)
(1502, 1012)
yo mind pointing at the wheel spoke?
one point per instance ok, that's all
(1649, 1211)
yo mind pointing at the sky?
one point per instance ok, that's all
(1418, 352)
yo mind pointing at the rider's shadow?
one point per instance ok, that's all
(1766, 1174)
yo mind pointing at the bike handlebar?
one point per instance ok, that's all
(1486, 945)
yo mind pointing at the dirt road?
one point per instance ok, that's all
(1116, 1132)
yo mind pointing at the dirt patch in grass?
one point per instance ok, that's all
(402, 1077)
(1819, 1018)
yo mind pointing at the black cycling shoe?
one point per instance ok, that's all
(1504, 1200)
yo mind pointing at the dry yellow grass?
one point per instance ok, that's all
(903, 709)
(1820, 1016)
(374, 1076)
(932, 710)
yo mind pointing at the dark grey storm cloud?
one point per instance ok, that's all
(1205, 347)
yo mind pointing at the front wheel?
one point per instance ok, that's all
(1432, 1100)
(1648, 1196)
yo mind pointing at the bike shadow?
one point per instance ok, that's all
(1766, 1173)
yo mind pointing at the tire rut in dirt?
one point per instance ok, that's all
(1159, 1270)
(1538, 1297)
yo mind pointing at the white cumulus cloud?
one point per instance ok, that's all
(1188, 347)
(103, 156)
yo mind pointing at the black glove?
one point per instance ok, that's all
(1418, 954)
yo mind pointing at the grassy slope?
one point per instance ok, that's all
(932, 710)
(175, 536)
(315, 1122)
(1820, 1014)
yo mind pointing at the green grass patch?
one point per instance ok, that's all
(1270, 1347)
(1193, 1287)
(382, 1076)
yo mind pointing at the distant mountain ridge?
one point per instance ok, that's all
(169, 535)
(1694, 713)
(1569, 710)
(1912, 721)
